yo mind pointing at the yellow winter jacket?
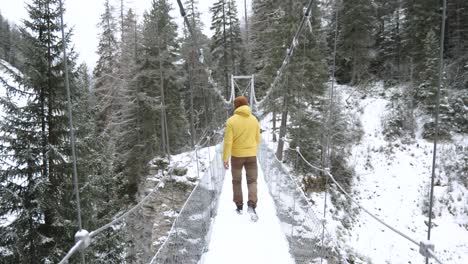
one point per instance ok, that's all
(242, 134)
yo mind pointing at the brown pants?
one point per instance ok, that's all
(250, 165)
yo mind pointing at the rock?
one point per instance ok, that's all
(180, 171)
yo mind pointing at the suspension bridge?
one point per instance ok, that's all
(200, 232)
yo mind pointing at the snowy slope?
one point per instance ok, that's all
(235, 239)
(392, 179)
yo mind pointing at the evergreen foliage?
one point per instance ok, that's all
(226, 42)
(37, 175)
(148, 96)
(105, 73)
(197, 92)
(421, 18)
(356, 28)
(158, 70)
(9, 37)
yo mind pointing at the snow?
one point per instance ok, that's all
(392, 180)
(187, 159)
(236, 239)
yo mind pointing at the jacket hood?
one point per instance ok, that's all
(243, 111)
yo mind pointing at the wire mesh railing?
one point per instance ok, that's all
(190, 233)
(303, 229)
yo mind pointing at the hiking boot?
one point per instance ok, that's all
(251, 211)
(239, 208)
(251, 207)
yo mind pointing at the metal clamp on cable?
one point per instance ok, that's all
(424, 247)
(83, 235)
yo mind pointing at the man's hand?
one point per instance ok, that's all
(226, 165)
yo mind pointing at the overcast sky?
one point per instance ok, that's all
(84, 15)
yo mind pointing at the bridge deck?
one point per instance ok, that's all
(235, 239)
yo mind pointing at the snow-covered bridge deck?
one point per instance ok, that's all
(236, 239)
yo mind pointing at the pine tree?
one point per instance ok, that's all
(226, 42)
(105, 72)
(35, 135)
(428, 88)
(197, 96)
(388, 43)
(421, 17)
(356, 27)
(130, 163)
(304, 82)
(267, 42)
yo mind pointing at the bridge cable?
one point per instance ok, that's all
(94, 233)
(328, 155)
(82, 243)
(70, 124)
(201, 56)
(174, 228)
(436, 136)
(289, 52)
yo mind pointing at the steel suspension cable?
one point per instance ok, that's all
(436, 136)
(128, 212)
(330, 115)
(289, 52)
(70, 124)
(200, 56)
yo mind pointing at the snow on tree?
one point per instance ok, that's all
(37, 176)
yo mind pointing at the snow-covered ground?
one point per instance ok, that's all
(236, 239)
(392, 181)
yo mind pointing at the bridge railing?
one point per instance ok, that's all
(189, 235)
(303, 229)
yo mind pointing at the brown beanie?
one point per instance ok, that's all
(240, 101)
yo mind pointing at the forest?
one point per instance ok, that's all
(149, 96)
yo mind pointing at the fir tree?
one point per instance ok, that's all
(198, 93)
(130, 163)
(356, 38)
(304, 82)
(35, 135)
(421, 17)
(161, 47)
(267, 43)
(105, 72)
(388, 43)
(226, 41)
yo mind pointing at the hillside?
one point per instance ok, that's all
(392, 180)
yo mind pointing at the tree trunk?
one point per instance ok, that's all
(192, 129)
(226, 79)
(274, 124)
(398, 43)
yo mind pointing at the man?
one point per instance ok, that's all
(241, 140)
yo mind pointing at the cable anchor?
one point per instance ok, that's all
(425, 247)
(83, 235)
